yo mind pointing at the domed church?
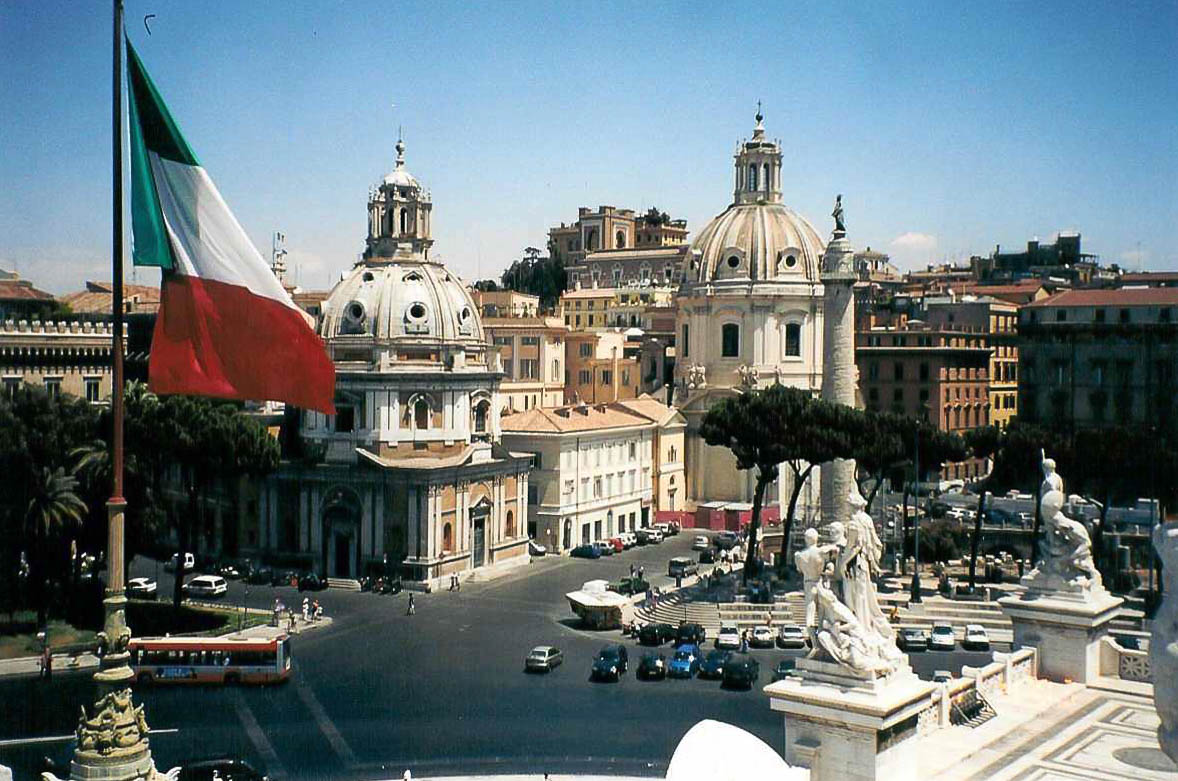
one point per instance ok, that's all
(410, 467)
(749, 314)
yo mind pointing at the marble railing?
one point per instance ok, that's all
(56, 327)
(999, 676)
(1125, 663)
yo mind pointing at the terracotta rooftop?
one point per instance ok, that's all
(96, 298)
(1148, 278)
(21, 290)
(1125, 296)
(581, 417)
(648, 407)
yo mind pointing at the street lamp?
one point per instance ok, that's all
(915, 597)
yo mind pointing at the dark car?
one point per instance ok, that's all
(786, 668)
(690, 633)
(260, 576)
(628, 586)
(311, 581)
(225, 768)
(741, 670)
(910, 640)
(234, 570)
(656, 634)
(707, 556)
(652, 666)
(610, 663)
(586, 552)
(713, 664)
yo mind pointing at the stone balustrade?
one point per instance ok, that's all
(1006, 671)
(1128, 664)
(51, 327)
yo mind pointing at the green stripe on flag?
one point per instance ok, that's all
(159, 131)
(150, 246)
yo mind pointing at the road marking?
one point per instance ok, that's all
(326, 726)
(61, 738)
(274, 767)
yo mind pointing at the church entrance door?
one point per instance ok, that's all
(343, 556)
(478, 524)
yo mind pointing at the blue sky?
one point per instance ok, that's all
(948, 126)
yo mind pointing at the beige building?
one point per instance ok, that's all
(669, 470)
(610, 228)
(532, 351)
(594, 467)
(997, 323)
(625, 307)
(601, 366)
(506, 303)
(71, 358)
(410, 469)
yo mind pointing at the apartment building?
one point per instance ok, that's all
(601, 366)
(533, 353)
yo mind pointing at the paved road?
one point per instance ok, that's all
(441, 692)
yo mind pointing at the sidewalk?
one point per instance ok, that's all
(65, 663)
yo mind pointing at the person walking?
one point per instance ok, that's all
(411, 609)
(46, 662)
(318, 610)
(641, 572)
(306, 609)
(631, 570)
(290, 617)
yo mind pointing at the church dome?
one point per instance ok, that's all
(758, 241)
(411, 302)
(399, 176)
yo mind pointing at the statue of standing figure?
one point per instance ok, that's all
(859, 564)
(840, 227)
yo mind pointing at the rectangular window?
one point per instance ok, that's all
(91, 384)
(502, 341)
(578, 321)
(569, 486)
(730, 340)
(590, 319)
(607, 377)
(536, 462)
(597, 487)
(1164, 315)
(873, 394)
(584, 377)
(873, 370)
(586, 349)
(626, 377)
(686, 344)
(633, 450)
(10, 387)
(509, 368)
(1098, 316)
(530, 341)
(898, 396)
(924, 372)
(1061, 315)
(1124, 315)
(898, 372)
(528, 369)
(793, 339)
(53, 387)
(345, 419)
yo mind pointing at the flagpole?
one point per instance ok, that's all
(112, 742)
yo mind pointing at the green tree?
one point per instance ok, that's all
(543, 277)
(880, 450)
(930, 448)
(53, 505)
(984, 443)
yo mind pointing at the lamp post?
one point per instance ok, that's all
(915, 597)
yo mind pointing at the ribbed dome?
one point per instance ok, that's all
(416, 302)
(759, 241)
(399, 177)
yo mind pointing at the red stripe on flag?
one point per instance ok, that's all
(215, 339)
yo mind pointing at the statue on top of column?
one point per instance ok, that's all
(840, 227)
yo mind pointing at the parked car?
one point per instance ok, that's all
(619, 546)
(649, 536)
(728, 636)
(206, 586)
(586, 552)
(543, 657)
(725, 540)
(975, 638)
(628, 586)
(141, 588)
(652, 666)
(672, 528)
(604, 548)
(224, 768)
(786, 668)
(910, 640)
(712, 665)
(285, 577)
(260, 575)
(701, 543)
(189, 562)
(742, 670)
(685, 661)
(233, 570)
(656, 634)
(312, 581)
(690, 633)
(536, 549)
(630, 538)
(610, 663)
(942, 637)
(791, 636)
(707, 556)
(682, 566)
(762, 637)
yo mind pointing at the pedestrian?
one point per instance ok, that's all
(407, 777)
(318, 610)
(631, 577)
(306, 609)
(641, 572)
(290, 620)
(410, 612)
(46, 663)
(679, 580)
(457, 582)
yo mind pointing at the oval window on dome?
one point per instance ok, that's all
(791, 261)
(733, 261)
(356, 311)
(368, 276)
(412, 276)
(417, 311)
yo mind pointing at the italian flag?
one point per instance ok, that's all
(226, 327)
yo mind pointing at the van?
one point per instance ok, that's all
(682, 566)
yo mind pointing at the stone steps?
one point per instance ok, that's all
(344, 584)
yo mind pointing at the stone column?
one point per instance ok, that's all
(838, 364)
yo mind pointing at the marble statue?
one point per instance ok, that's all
(1163, 642)
(1066, 563)
(697, 376)
(748, 375)
(843, 638)
(859, 564)
(840, 228)
(811, 561)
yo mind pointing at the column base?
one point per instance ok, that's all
(1066, 628)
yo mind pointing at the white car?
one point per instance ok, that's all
(942, 638)
(762, 637)
(189, 562)
(701, 543)
(536, 549)
(791, 636)
(206, 586)
(629, 539)
(141, 588)
(729, 636)
(975, 638)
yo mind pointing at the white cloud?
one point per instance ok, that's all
(914, 242)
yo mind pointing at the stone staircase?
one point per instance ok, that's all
(344, 584)
(672, 609)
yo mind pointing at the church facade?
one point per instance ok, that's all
(409, 475)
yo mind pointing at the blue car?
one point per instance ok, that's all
(586, 552)
(685, 662)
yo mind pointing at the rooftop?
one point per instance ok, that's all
(21, 290)
(96, 298)
(580, 417)
(1125, 296)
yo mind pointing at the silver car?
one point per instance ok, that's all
(543, 657)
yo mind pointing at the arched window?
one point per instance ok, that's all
(510, 523)
(793, 339)
(447, 538)
(404, 220)
(480, 416)
(765, 177)
(752, 183)
(730, 340)
(620, 240)
(421, 414)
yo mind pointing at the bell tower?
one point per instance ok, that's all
(399, 216)
(758, 167)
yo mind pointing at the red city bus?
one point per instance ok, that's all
(210, 659)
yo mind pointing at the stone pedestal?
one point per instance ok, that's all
(1065, 627)
(847, 729)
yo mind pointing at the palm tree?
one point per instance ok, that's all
(54, 504)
